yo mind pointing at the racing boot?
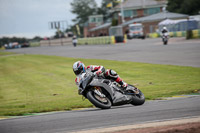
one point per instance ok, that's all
(122, 83)
(111, 74)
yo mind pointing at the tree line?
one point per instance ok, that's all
(85, 8)
(190, 7)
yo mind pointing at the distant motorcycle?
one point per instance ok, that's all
(165, 38)
(104, 93)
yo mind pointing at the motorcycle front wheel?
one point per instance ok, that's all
(98, 101)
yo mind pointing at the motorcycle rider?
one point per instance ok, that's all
(79, 68)
(164, 31)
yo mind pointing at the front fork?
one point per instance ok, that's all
(97, 90)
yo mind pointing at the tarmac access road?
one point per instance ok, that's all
(179, 51)
(97, 119)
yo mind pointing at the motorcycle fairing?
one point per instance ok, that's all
(117, 97)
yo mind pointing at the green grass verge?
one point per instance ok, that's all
(37, 83)
(3, 53)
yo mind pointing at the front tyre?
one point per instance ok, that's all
(97, 101)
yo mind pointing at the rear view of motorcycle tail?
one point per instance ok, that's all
(104, 93)
(165, 38)
(165, 35)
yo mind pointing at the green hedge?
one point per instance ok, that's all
(34, 44)
(96, 40)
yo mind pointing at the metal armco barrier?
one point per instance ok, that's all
(54, 42)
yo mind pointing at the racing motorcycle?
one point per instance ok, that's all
(165, 38)
(104, 93)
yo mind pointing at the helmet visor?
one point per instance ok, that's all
(79, 70)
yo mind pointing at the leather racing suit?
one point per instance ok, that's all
(108, 74)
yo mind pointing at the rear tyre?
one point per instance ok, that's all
(97, 101)
(165, 41)
(138, 99)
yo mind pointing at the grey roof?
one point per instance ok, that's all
(157, 17)
(138, 4)
(100, 27)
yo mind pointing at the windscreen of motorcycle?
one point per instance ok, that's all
(80, 78)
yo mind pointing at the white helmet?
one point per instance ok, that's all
(78, 67)
(164, 28)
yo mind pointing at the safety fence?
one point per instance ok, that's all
(97, 40)
(195, 34)
(54, 42)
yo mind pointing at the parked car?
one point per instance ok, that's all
(13, 45)
(25, 45)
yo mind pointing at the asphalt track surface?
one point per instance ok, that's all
(178, 52)
(71, 121)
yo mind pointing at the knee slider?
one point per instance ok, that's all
(112, 72)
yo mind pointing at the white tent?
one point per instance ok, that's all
(167, 22)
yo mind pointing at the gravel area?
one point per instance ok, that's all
(183, 128)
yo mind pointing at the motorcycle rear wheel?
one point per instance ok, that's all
(138, 99)
(97, 102)
(165, 42)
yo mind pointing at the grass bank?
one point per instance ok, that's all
(37, 83)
